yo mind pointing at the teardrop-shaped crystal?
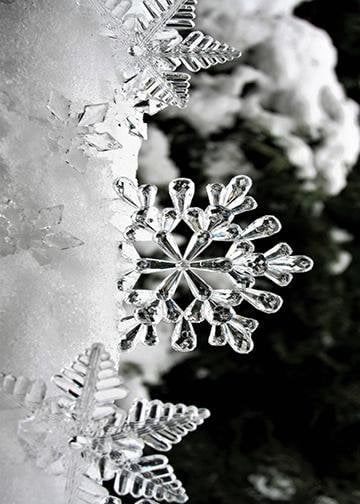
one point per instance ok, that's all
(150, 314)
(151, 337)
(218, 216)
(147, 195)
(128, 281)
(256, 265)
(242, 279)
(181, 192)
(240, 249)
(169, 219)
(239, 338)
(219, 264)
(248, 324)
(147, 218)
(196, 219)
(168, 287)
(199, 288)
(264, 301)
(198, 243)
(173, 312)
(293, 264)
(216, 193)
(218, 314)
(262, 228)
(135, 233)
(129, 341)
(278, 277)
(148, 265)
(127, 191)
(280, 250)
(227, 296)
(236, 190)
(139, 297)
(184, 337)
(194, 313)
(247, 205)
(228, 232)
(218, 335)
(168, 245)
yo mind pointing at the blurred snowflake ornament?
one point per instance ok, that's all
(79, 135)
(35, 231)
(240, 268)
(83, 434)
(148, 48)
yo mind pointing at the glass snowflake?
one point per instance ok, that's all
(34, 231)
(148, 49)
(239, 268)
(78, 135)
(84, 435)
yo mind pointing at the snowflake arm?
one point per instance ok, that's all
(84, 435)
(240, 268)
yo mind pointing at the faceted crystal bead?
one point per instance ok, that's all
(150, 314)
(266, 302)
(216, 193)
(262, 228)
(169, 219)
(131, 338)
(239, 338)
(236, 190)
(148, 218)
(196, 219)
(225, 296)
(184, 337)
(229, 232)
(217, 314)
(172, 312)
(217, 216)
(151, 337)
(240, 249)
(247, 205)
(218, 335)
(182, 191)
(147, 195)
(147, 266)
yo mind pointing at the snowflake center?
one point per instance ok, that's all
(183, 265)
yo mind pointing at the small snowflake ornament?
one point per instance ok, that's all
(34, 231)
(148, 48)
(239, 268)
(78, 135)
(84, 435)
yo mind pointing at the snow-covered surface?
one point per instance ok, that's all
(288, 86)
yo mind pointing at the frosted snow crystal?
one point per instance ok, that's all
(241, 265)
(33, 231)
(83, 433)
(148, 49)
(75, 134)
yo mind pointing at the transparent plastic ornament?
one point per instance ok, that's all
(148, 49)
(239, 269)
(84, 435)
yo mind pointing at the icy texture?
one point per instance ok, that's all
(289, 87)
(85, 436)
(148, 49)
(241, 265)
(37, 232)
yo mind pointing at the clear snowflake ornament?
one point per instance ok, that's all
(148, 49)
(80, 135)
(83, 433)
(34, 231)
(240, 267)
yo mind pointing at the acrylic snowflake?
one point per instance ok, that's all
(34, 231)
(239, 269)
(79, 134)
(84, 435)
(148, 48)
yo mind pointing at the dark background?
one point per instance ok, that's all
(286, 419)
